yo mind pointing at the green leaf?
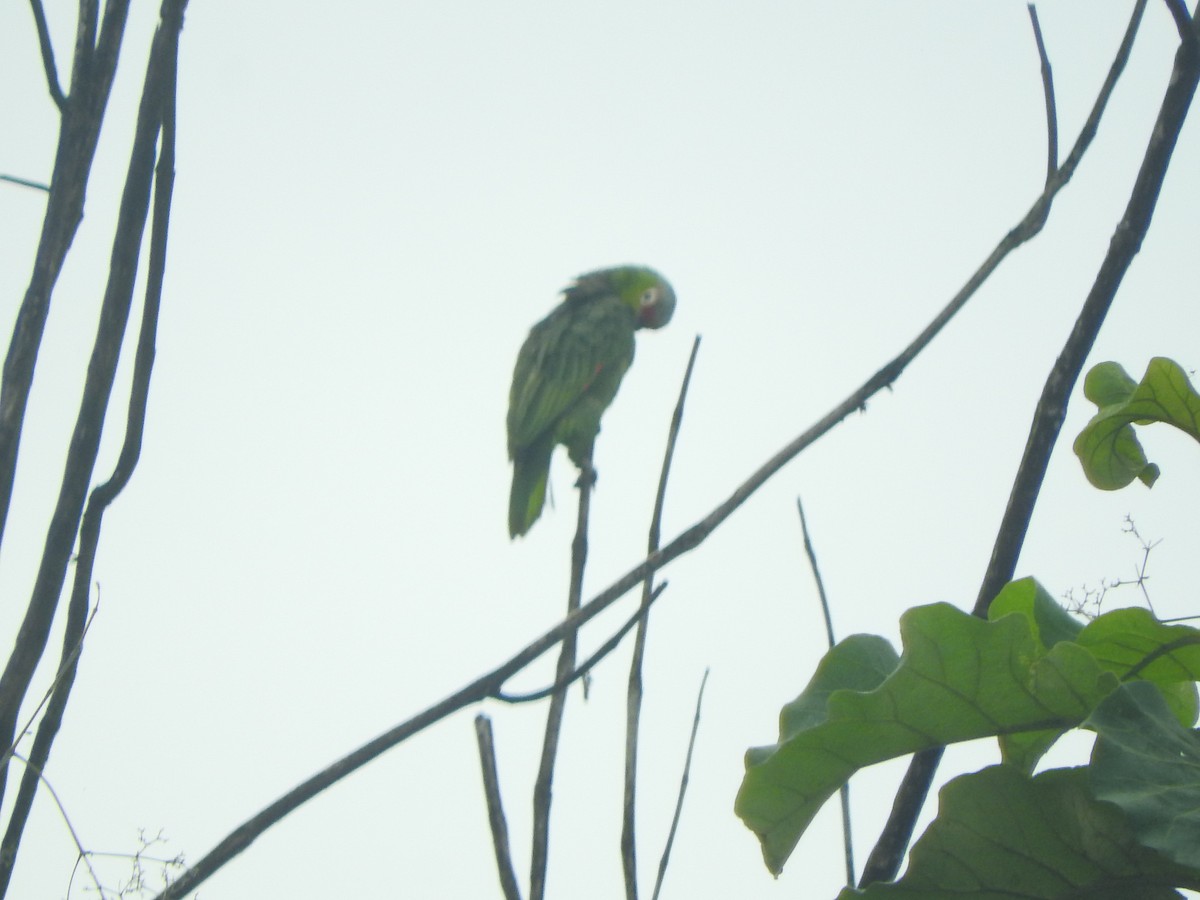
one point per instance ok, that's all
(860, 663)
(1131, 642)
(960, 678)
(1107, 447)
(1149, 766)
(1002, 835)
(1051, 624)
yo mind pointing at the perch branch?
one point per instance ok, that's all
(543, 785)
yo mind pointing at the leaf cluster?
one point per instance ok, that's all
(1126, 825)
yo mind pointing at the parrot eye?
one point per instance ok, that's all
(650, 296)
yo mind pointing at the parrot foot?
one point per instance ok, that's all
(587, 476)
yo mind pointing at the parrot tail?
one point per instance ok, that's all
(531, 466)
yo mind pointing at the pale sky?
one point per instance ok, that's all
(374, 203)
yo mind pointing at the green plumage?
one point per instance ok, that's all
(568, 372)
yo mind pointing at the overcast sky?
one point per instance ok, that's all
(374, 202)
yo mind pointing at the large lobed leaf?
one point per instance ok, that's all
(1003, 835)
(959, 678)
(1025, 676)
(1146, 763)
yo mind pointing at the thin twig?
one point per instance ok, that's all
(588, 664)
(811, 553)
(47, 48)
(683, 783)
(633, 701)
(495, 806)
(827, 614)
(543, 785)
(1048, 91)
(71, 654)
(62, 811)
(1048, 417)
(25, 182)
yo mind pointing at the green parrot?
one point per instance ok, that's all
(568, 372)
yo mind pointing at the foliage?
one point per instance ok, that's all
(1127, 824)
(1108, 448)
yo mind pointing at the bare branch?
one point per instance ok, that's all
(633, 701)
(1048, 90)
(542, 787)
(826, 614)
(1183, 20)
(1088, 132)
(495, 806)
(683, 783)
(844, 791)
(103, 495)
(114, 315)
(91, 83)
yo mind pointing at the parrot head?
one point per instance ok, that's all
(642, 289)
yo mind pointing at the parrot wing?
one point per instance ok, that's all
(561, 359)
